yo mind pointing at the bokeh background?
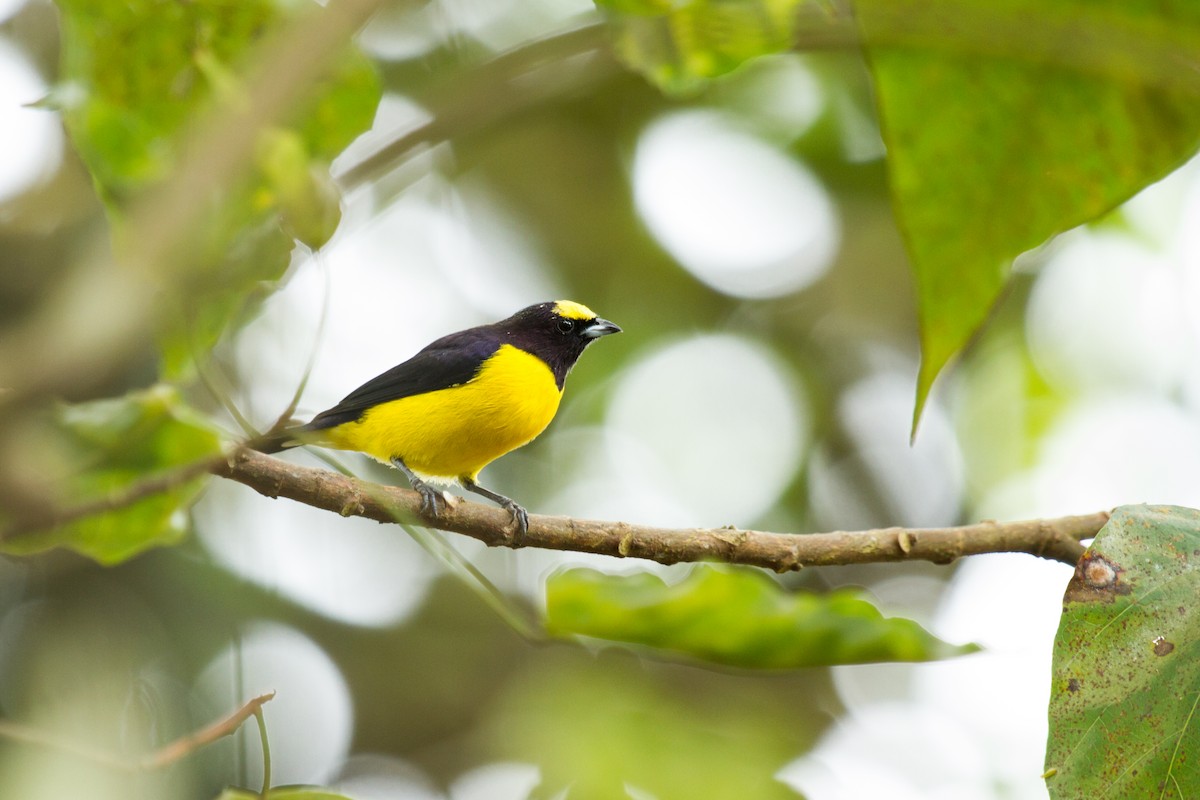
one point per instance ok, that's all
(744, 240)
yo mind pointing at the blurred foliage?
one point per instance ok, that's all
(675, 740)
(137, 77)
(680, 46)
(736, 617)
(1126, 680)
(109, 447)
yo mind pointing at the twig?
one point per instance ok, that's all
(1057, 539)
(163, 757)
(127, 496)
(433, 542)
(183, 747)
(481, 95)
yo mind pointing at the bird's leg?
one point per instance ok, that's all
(519, 514)
(432, 501)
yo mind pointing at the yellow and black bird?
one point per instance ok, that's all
(461, 402)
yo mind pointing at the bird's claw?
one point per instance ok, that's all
(433, 502)
(520, 522)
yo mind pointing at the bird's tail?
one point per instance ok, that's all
(278, 439)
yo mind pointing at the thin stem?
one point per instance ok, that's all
(318, 335)
(439, 548)
(208, 379)
(266, 751)
(185, 746)
(15, 731)
(163, 757)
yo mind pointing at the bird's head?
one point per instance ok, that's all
(574, 319)
(557, 332)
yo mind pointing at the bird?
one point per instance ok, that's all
(460, 403)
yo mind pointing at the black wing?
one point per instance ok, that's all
(449, 361)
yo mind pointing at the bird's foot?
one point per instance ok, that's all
(520, 523)
(433, 502)
(519, 514)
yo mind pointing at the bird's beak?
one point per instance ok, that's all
(600, 327)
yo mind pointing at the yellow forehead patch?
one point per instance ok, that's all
(572, 310)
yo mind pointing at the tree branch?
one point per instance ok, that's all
(1056, 539)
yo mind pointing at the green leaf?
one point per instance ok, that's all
(284, 793)
(140, 74)
(1125, 692)
(681, 45)
(737, 617)
(1008, 121)
(113, 446)
(306, 197)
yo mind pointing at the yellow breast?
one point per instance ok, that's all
(456, 432)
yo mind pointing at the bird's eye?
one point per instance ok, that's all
(566, 325)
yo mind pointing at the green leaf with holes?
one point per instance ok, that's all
(736, 617)
(147, 440)
(1009, 121)
(1125, 691)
